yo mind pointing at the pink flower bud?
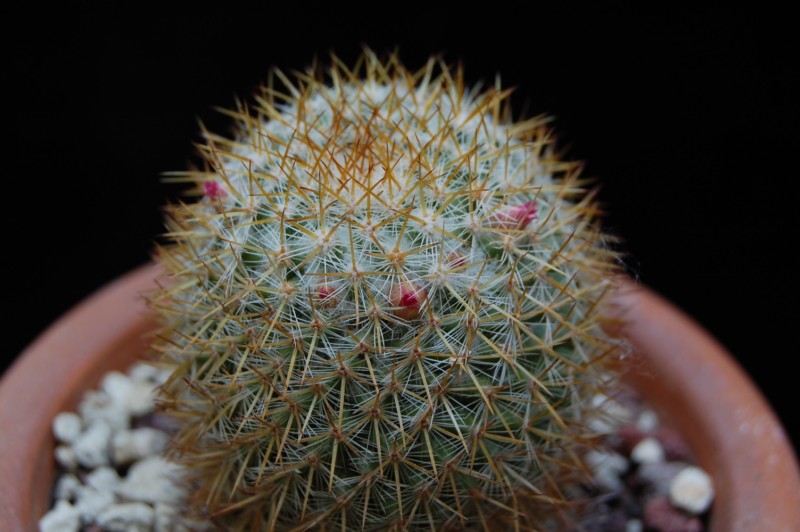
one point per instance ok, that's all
(515, 216)
(213, 190)
(456, 260)
(407, 298)
(325, 295)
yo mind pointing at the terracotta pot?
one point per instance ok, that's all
(683, 373)
(106, 331)
(688, 377)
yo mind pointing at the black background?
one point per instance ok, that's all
(688, 119)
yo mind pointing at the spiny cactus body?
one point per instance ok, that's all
(382, 308)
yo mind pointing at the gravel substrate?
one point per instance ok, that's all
(644, 477)
(113, 475)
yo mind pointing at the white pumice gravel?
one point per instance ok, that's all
(90, 502)
(127, 517)
(65, 457)
(97, 444)
(130, 445)
(137, 397)
(648, 451)
(67, 487)
(607, 468)
(166, 518)
(147, 373)
(634, 525)
(63, 518)
(647, 421)
(98, 406)
(658, 476)
(91, 447)
(640, 481)
(152, 480)
(692, 490)
(103, 478)
(67, 427)
(117, 386)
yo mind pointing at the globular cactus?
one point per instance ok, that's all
(383, 307)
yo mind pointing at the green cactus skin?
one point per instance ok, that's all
(382, 308)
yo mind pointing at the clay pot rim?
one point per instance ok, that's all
(755, 490)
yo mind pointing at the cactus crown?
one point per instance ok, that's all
(382, 307)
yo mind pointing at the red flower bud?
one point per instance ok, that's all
(407, 300)
(456, 260)
(515, 216)
(325, 295)
(213, 190)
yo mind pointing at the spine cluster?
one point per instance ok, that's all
(383, 306)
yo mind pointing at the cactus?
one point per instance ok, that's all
(382, 309)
